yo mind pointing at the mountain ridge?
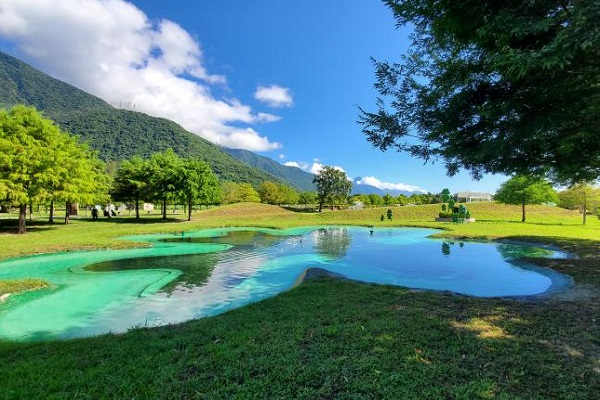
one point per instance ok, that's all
(116, 134)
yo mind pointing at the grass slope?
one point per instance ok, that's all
(331, 338)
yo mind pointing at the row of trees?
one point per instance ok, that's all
(41, 164)
(165, 177)
(528, 189)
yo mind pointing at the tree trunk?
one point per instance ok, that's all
(137, 209)
(67, 212)
(31, 211)
(523, 212)
(22, 218)
(51, 217)
(190, 210)
(584, 207)
(164, 208)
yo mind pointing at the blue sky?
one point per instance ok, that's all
(280, 78)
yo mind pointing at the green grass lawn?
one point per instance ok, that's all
(330, 338)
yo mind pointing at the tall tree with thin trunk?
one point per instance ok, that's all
(131, 182)
(522, 190)
(165, 177)
(582, 196)
(199, 184)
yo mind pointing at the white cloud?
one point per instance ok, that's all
(313, 168)
(372, 181)
(301, 165)
(111, 49)
(274, 96)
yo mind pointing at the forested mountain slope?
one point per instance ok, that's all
(116, 134)
(301, 180)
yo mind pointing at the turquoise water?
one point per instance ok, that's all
(203, 273)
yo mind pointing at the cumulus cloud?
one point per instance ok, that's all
(314, 168)
(111, 49)
(372, 181)
(274, 96)
(296, 164)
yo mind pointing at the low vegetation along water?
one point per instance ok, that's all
(196, 274)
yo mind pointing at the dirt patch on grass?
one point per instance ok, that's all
(576, 293)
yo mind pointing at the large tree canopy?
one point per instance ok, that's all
(494, 87)
(332, 185)
(39, 162)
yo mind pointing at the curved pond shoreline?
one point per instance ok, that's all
(269, 255)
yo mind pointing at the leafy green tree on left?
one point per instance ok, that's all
(39, 162)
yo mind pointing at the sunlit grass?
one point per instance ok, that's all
(16, 286)
(330, 338)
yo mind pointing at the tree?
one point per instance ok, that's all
(239, 192)
(247, 193)
(388, 199)
(288, 195)
(522, 189)
(39, 162)
(270, 193)
(332, 185)
(198, 184)
(131, 182)
(165, 178)
(581, 196)
(375, 200)
(307, 198)
(494, 87)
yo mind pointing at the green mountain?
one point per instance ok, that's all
(116, 134)
(299, 179)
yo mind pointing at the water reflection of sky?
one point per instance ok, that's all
(208, 272)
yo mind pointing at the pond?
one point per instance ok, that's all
(203, 273)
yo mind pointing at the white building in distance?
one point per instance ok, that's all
(473, 197)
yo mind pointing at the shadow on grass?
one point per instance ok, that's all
(38, 225)
(11, 226)
(530, 223)
(309, 210)
(140, 221)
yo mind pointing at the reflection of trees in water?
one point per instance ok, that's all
(234, 238)
(446, 247)
(195, 268)
(514, 251)
(332, 242)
